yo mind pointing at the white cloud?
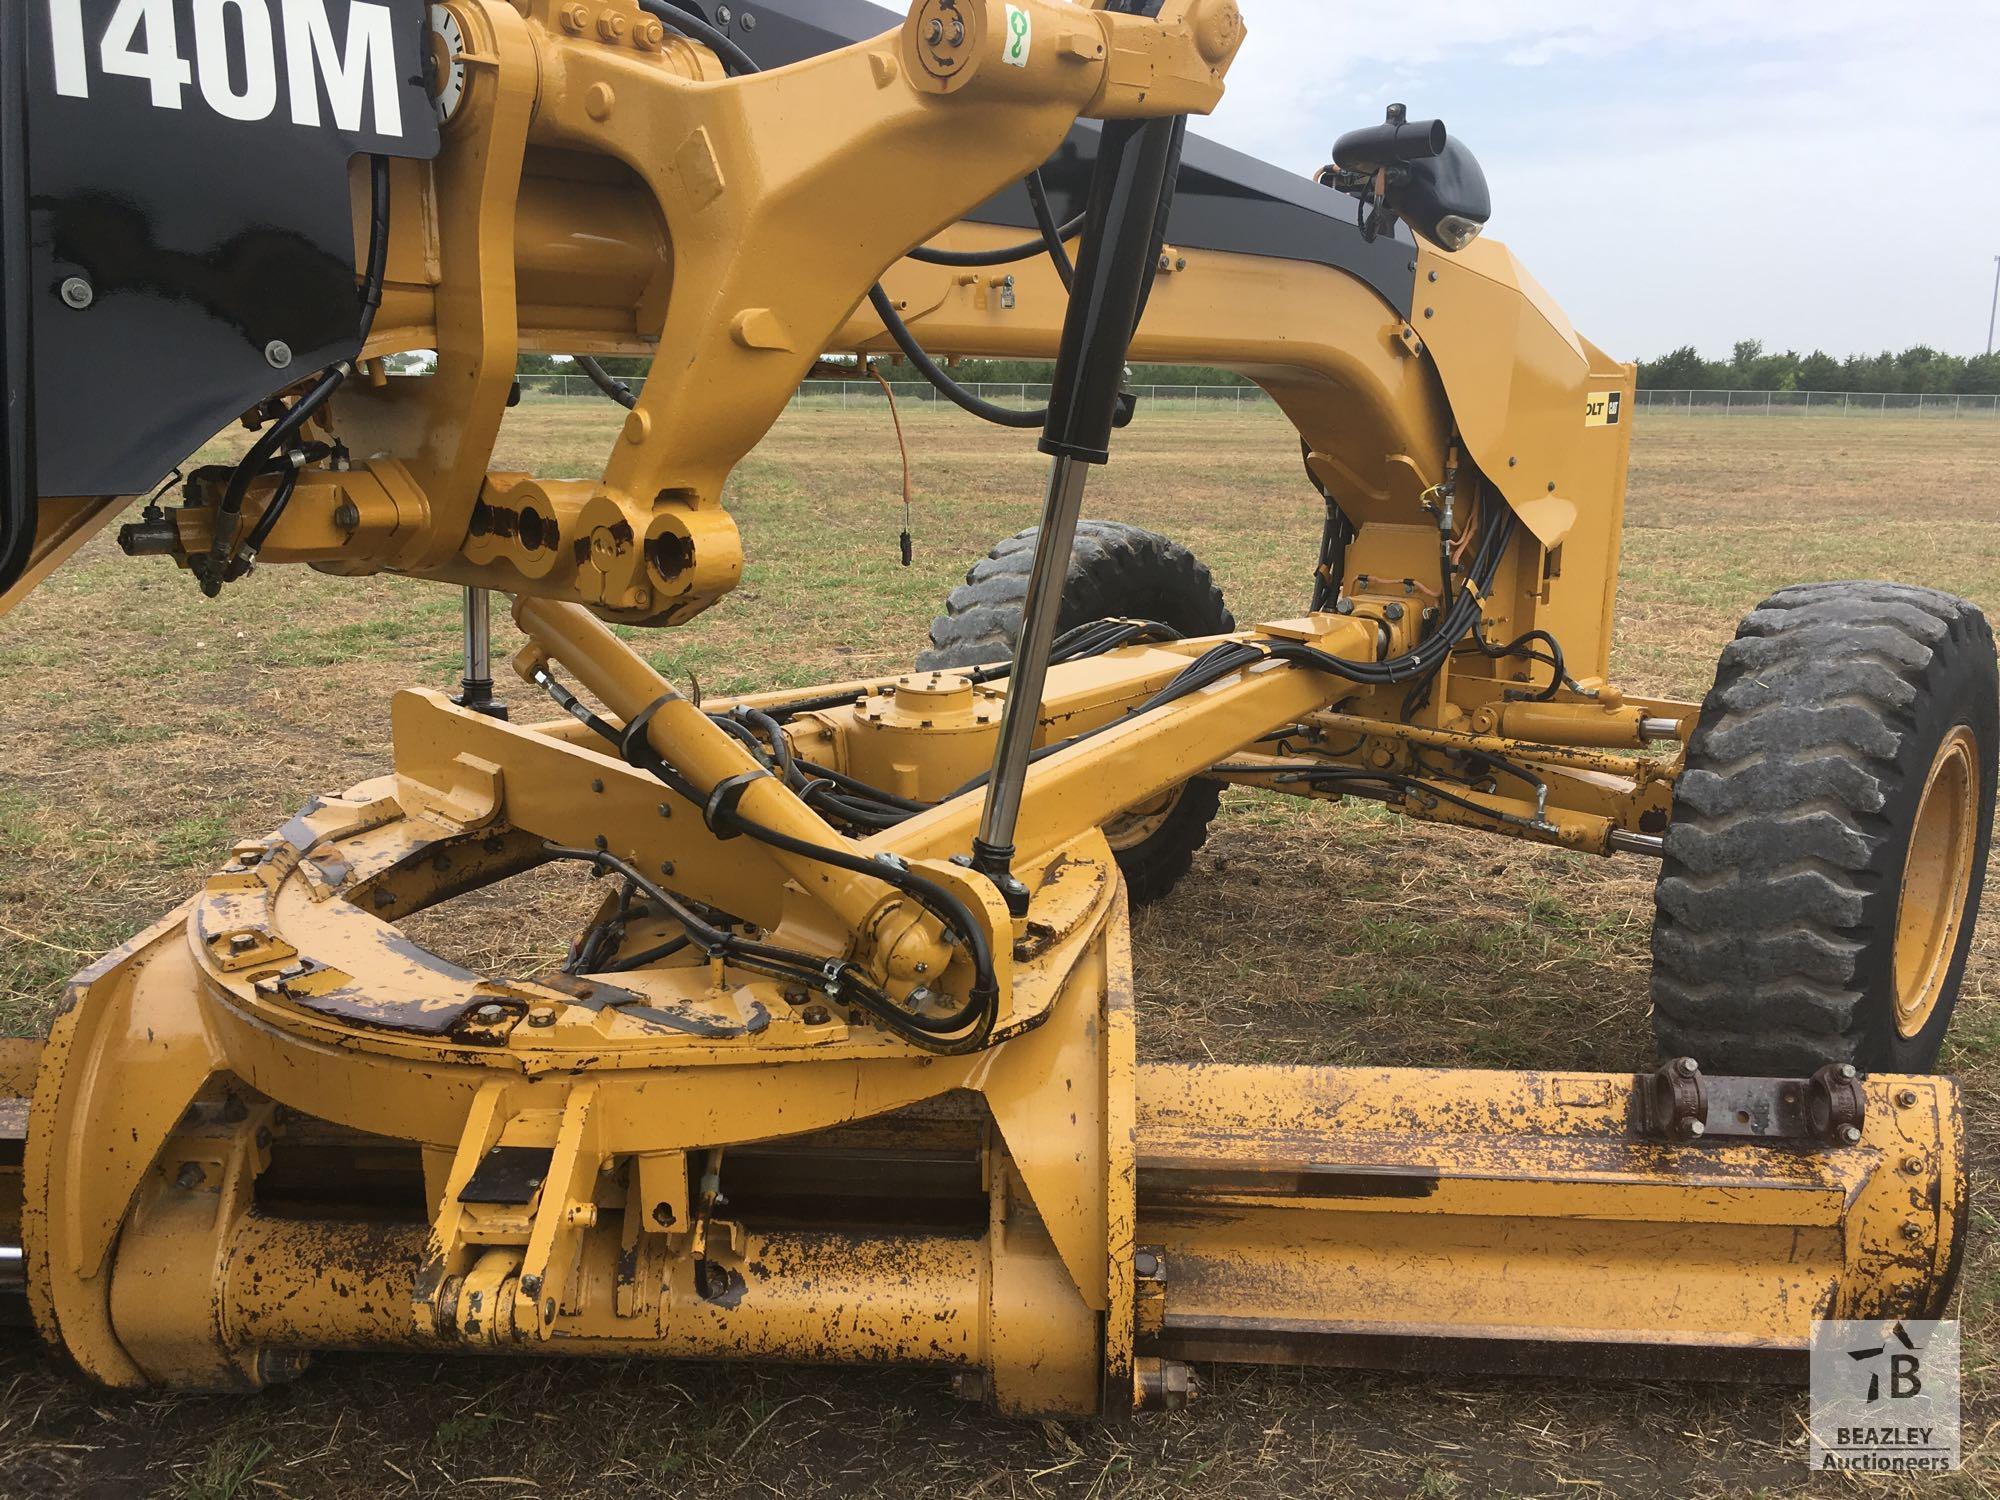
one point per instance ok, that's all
(1813, 172)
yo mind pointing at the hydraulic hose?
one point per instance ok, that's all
(947, 1035)
(606, 382)
(739, 62)
(1051, 241)
(221, 563)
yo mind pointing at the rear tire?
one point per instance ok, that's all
(1828, 849)
(1115, 572)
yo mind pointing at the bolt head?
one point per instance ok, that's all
(278, 354)
(78, 293)
(1912, 1230)
(1688, 1066)
(1847, 1070)
(1851, 1134)
(490, 1013)
(1696, 1128)
(1907, 1099)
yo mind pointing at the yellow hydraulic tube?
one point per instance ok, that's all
(688, 740)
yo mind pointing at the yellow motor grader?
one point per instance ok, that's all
(843, 1068)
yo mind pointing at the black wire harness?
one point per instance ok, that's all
(227, 560)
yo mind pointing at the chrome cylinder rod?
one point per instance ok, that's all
(476, 680)
(993, 850)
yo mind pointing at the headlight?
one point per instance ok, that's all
(1455, 231)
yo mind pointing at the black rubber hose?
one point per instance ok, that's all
(1051, 241)
(696, 26)
(280, 498)
(1336, 536)
(281, 432)
(1053, 234)
(1521, 648)
(984, 998)
(838, 980)
(606, 382)
(377, 270)
(740, 62)
(931, 370)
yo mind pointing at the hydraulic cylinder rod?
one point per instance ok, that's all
(1129, 196)
(476, 680)
(993, 850)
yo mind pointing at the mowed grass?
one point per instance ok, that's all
(142, 727)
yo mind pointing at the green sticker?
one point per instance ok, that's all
(1020, 36)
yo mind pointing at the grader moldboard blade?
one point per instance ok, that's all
(844, 1067)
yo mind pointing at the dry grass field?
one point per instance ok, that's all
(141, 727)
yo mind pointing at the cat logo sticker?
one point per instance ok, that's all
(1602, 408)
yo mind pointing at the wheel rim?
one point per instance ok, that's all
(1132, 828)
(1937, 879)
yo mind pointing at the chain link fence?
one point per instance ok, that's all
(835, 395)
(1762, 403)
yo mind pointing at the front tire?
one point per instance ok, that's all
(1116, 572)
(1828, 850)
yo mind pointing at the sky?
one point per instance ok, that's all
(1811, 173)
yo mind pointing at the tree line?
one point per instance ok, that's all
(1918, 370)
